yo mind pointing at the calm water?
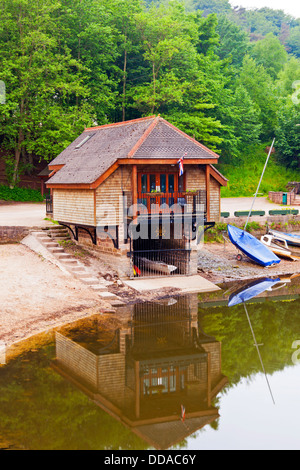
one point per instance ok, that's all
(189, 373)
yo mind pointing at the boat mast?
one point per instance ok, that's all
(255, 196)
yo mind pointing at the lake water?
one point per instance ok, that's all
(184, 373)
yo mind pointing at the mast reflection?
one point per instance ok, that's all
(158, 373)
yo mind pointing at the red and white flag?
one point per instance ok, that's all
(180, 163)
(182, 413)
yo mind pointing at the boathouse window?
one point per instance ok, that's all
(160, 182)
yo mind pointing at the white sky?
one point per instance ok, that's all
(291, 7)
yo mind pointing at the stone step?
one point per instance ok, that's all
(91, 281)
(98, 288)
(56, 227)
(108, 295)
(50, 245)
(68, 261)
(61, 239)
(59, 235)
(56, 250)
(117, 302)
(78, 270)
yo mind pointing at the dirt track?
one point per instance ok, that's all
(36, 295)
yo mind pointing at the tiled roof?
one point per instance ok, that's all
(146, 138)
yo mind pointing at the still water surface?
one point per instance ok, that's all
(187, 372)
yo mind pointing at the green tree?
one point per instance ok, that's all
(288, 76)
(293, 41)
(288, 135)
(271, 54)
(234, 42)
(261, 89)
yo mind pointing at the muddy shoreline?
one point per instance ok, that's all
(38, 297)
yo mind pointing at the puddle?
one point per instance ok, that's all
(185, 373)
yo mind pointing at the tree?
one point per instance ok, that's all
(288, 135)
(261, 89)
(233, 43)
(164, 35)
(270, 53)
(293, 41)
(288, 76)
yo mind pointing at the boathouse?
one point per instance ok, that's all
(158, 374)
(140, 189)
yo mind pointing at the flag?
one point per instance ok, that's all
(180, 163)
(182, 413)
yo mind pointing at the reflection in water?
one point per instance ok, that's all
(150, 370)
(258, 351)
(248, 292)
(156, 375)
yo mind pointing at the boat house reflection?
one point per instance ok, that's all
(146, 371)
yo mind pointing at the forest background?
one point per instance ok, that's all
(227, 76)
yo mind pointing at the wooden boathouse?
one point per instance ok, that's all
(124, 178)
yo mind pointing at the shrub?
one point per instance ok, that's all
(20, 194)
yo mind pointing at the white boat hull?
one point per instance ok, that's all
(157, 266)
(289, 238)
(278, 246)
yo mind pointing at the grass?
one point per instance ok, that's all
(20, 194)
(244, 178)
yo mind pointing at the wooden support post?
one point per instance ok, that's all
(137, 390)
(134, 186)
(207, 175)
(208, 380)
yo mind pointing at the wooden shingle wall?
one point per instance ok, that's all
(75, 206)
(215, 200)
(108, 194)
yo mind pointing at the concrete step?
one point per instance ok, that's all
(117, 302)
(50, 245)
(68, 261)
(56, 251)
(91, 281)
(78, 270)
(83, 274)
(108, 295)
(98, 288)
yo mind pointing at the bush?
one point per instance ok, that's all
(20, 194)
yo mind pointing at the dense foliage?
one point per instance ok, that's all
(230, 77)
(20, 194)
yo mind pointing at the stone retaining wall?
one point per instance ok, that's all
(13, 234)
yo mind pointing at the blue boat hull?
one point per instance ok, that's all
(251, 247)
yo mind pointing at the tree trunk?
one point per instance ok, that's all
(18, 152)
(154, 88)
(124, 84)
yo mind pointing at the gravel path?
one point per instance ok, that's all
(36, 295)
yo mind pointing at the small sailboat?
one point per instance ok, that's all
(291, 239)
(251, 247)
(278, 246)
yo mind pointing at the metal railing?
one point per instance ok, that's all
(49, 205)
(191, 202)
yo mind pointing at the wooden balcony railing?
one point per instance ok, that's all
(185, 202)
